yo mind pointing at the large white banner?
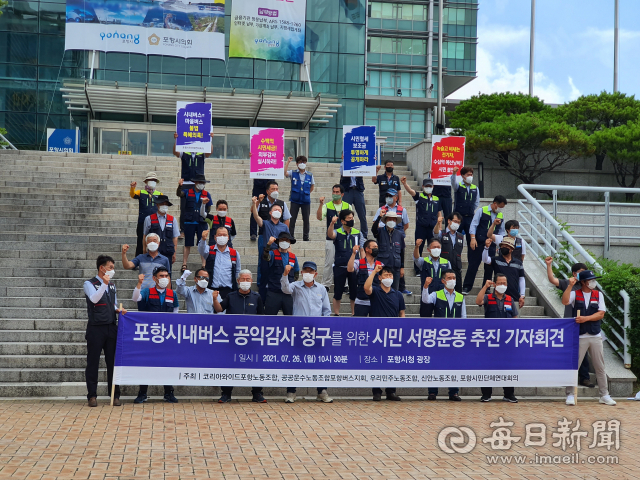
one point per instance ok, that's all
(177, 28)
(268, 29)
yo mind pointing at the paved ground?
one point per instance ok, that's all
(348, 439)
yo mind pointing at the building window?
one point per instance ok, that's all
(401, 127)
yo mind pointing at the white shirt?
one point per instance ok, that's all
(587, 299)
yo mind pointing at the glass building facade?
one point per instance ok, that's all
(357, 51)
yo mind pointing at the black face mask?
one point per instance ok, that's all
(505, 251)
(374, 252)
(389, 169)
(349, 223)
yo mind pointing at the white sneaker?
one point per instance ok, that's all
(570, 400)
(323, 396)
(291, 397)
(607, 400)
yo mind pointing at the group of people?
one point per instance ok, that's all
(370, 270)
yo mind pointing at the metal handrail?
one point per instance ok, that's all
(544, 240)
(5, 147)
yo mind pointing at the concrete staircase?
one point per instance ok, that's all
(60, 212)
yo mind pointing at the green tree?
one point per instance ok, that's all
(622, 145)
(535, 143)
(2, 142)
(3, 3)
(594, 113)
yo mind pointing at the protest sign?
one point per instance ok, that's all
(267, 153)
(446, 154)
(359, 148)
(193, 126)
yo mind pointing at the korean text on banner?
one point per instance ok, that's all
(246, 350)
(268, 29)
(177, 28)
(359, 147)
(193, 126)
(446, 154)
(267, 152)
(63, 140)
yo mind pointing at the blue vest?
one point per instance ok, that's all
(301, 192)
(429, 270)
(155, 304)
(427, 210)
(483, 226)
(441, 308)
(592, 328)
(166, 247)
(491, 309)
(343, 244)
(465, 201)
(277, 269)
(192, 208)
(363, 274)
(192, 166)
(146, 204)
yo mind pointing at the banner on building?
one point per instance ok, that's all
(267, 152)
(268, 29)
(359, 150)
(193, 126)
(446, 154)
(177, 28)
(63, 140)
(246, 350)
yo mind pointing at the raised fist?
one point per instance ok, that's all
(355, 249)
(418, 242)
(456, 170)
(133, 184)
(125, 248)
(321, 200)
(488, 242)
(271, 240)
(261, 197)
(175, 135)
(548, 260)
(140, 278)
(287, 269)
(488, 284)
(427, 282)
(180, 182)
(403, 180)
(205, 200)
(205, 235)
(377, 268)
(334, 220)
(573, 281)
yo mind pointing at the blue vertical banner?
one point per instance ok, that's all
(193, 126)
(359, 149)
(63, 140)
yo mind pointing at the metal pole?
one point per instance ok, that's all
(439, 119)
(429, 125)
(531, 44)
(625, 327)
(616, 42)
(93, 59)
(606, 225)
(555, 215)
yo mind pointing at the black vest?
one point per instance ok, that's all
(390, 247)
(592, 328)
(452, 252)
(192, 166)
(491, 309)
(277, 269)
(146, 204)
(166, 247)
(363, 274)
(154, 304)
(427, 210)
(466, 200)
(483, 226)
(441, 308)
(517, 253)
(103, 312)
(210, 265)
(191, 211)
(264, 211)
(429, 270)
(343, 245)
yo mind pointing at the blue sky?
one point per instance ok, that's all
(574, 48)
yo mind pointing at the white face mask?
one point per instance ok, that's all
(592, 284)
(435, 252)
(450, 284)
(163, 282)
(221, 240)
(151, 184)
(308, 277)
(454, 226)
(428, 190)
(152, 246)
(244, 286)
(284, 245)
(203, 283)
(501, 289)
(274, 194)
(110, 273)
(222, 213)
(276, 214)
(387, 282)
(200, 186)
(389, 200)
(498, 210)
(302, 166)
(391, 224)
(468, 179)
(163, 208)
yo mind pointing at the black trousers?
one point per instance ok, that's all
(294, 389)
(386, 390)
(465, 226)
(306, 211)
(99, 338)
(143, 389)
(253, 226)
(426, 234)
(139, 235)
(402, 285)
(361, 310)
(475, 259)
(487, 391)
(277, 301)
(446, 207)
(223, 291)
(229, 390)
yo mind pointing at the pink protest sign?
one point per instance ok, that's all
(267, 152)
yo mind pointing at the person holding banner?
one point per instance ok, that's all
(193, 222)
(198, 297)
(363, 268)
(302, 185)
(221, 262)
(102, 327)
(157, 299)
(447, 303)
(467, 198)
(259, 188)
(328, 211)
(427, 212)
(345, 239)
(390, 244)
(279, 261)
(146, 204)
(452, 242)
(497, 305)
(386, 181)
(310, 299)
(482, 220)
(430, 268)
(165, 226)
(589, 309)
